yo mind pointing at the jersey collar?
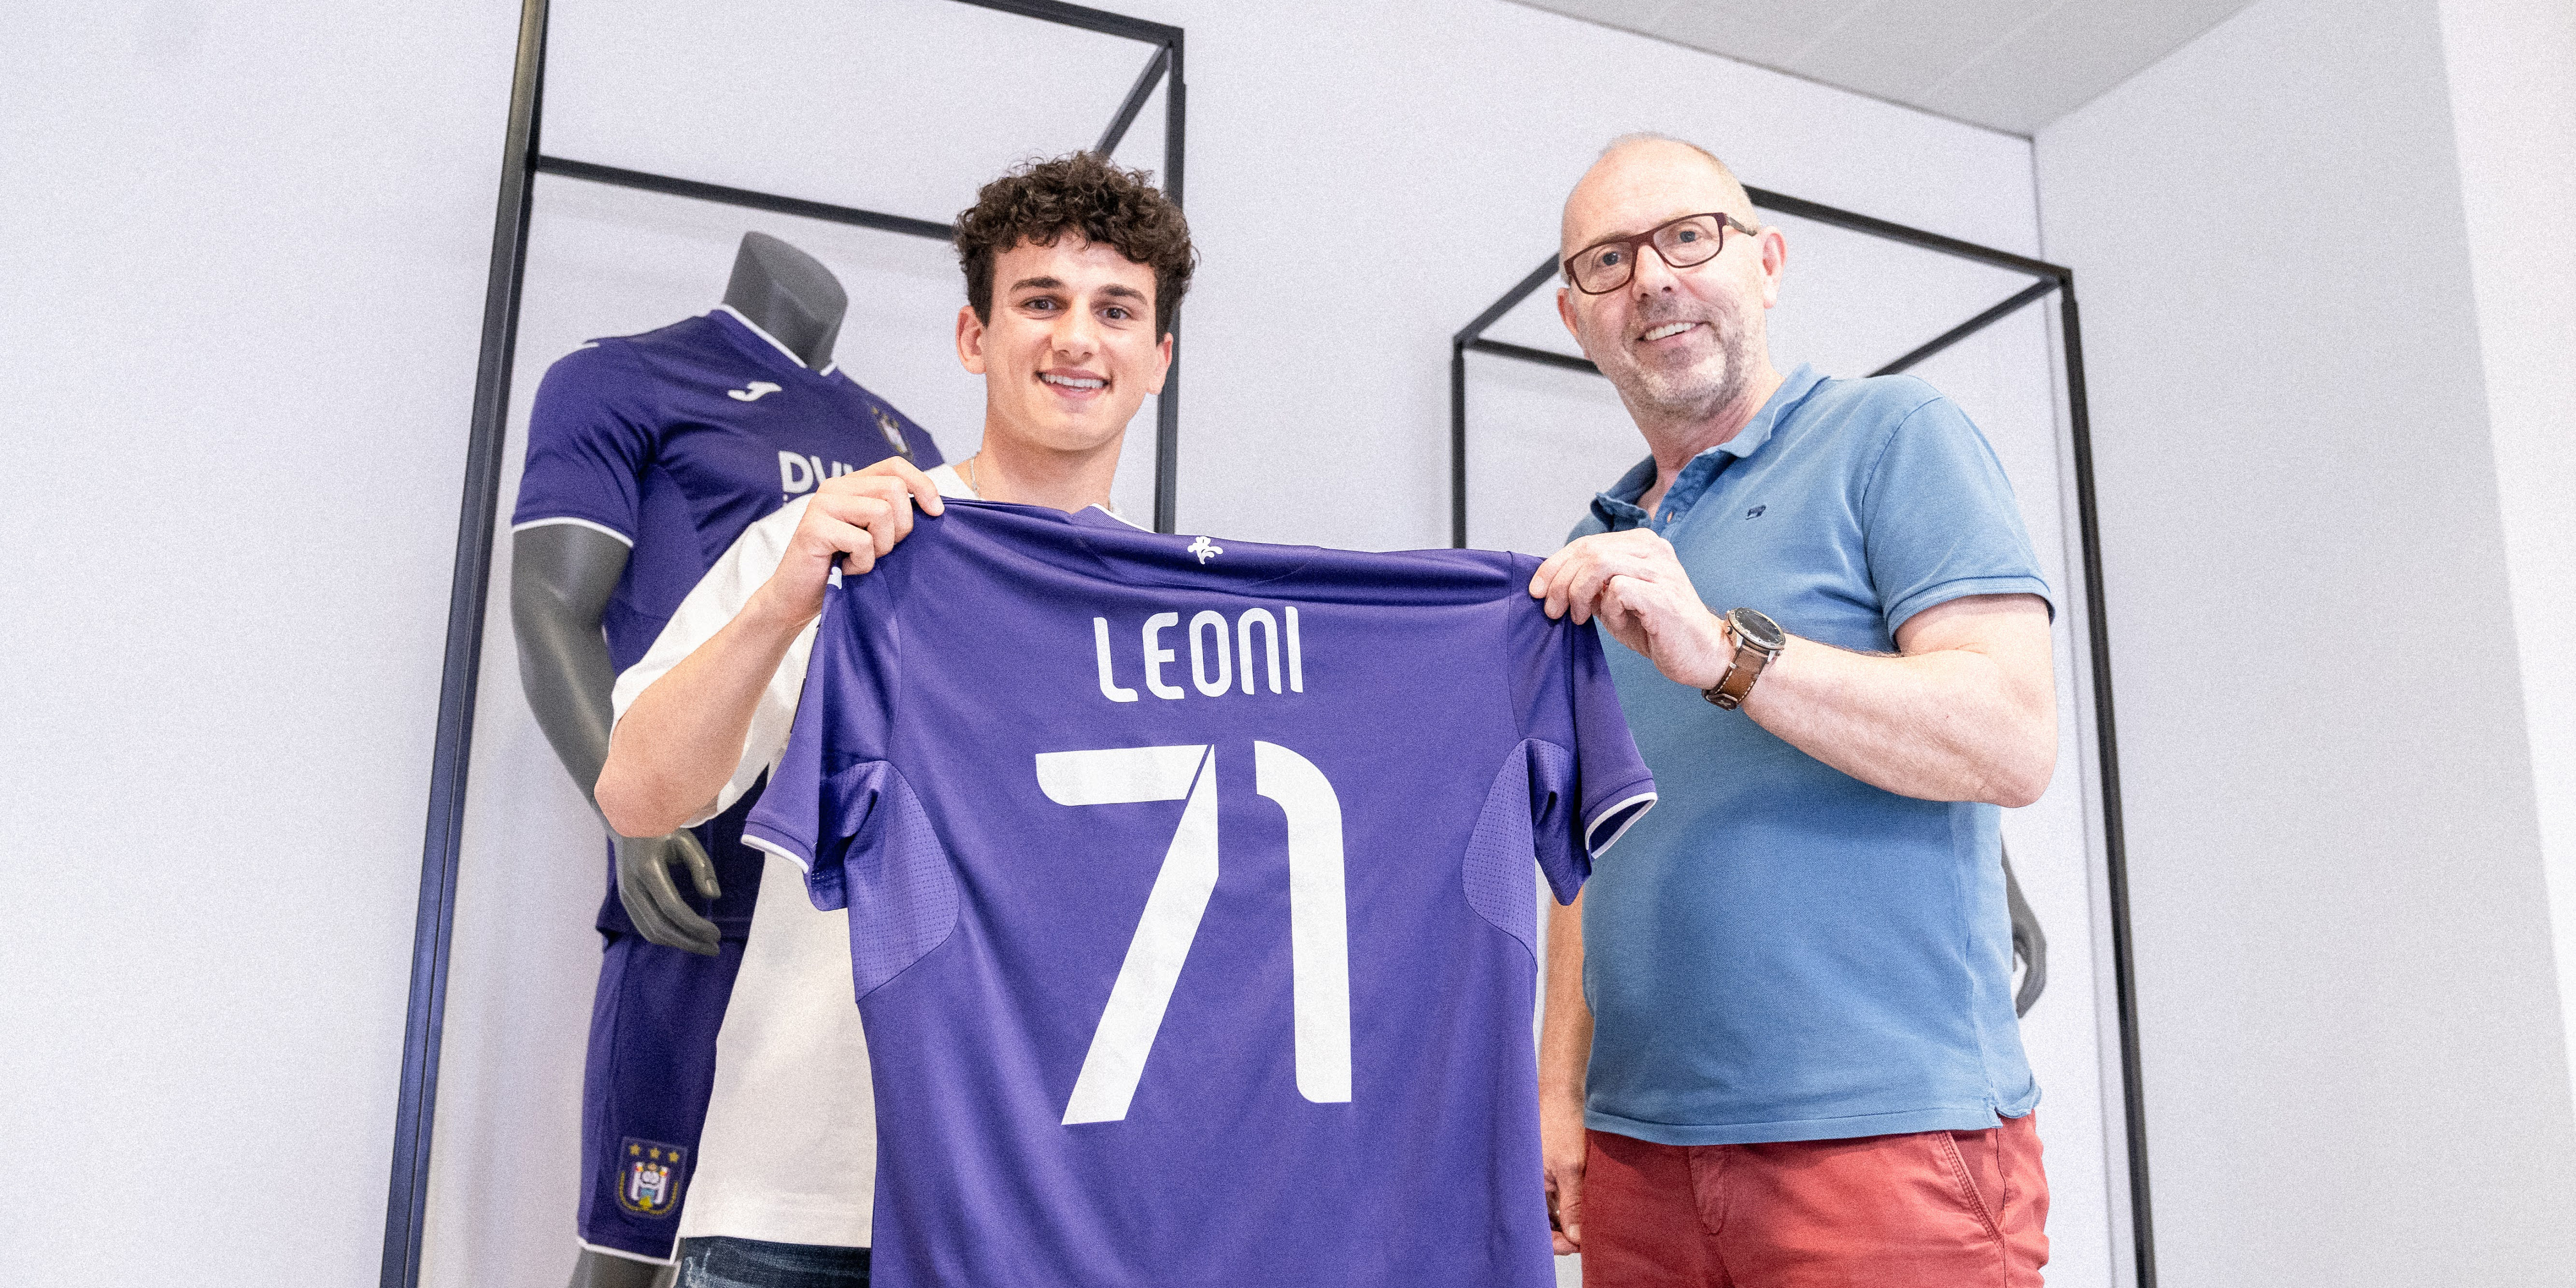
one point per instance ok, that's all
(1128, 552)
(953, 484)
(782, 350)
(1617, 507)
(1103, 515)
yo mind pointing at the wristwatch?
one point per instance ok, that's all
(1758, 639)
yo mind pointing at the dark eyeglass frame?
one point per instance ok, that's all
(1647, 239)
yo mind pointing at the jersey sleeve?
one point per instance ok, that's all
(588, 446)
(1939, 518)
(839, 808)
(818, 802)
(717, 598)
(1587, 782)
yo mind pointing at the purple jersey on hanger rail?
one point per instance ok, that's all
(1193, 915)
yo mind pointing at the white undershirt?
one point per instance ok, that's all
(789, 1151)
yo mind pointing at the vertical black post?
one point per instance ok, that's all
(1457, 444)
(407, 1200)
(1167, 406)
(1474, 334)
(2115, 848)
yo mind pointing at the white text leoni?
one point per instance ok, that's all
(1261, 639)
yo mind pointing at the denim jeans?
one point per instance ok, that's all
(750, 1263)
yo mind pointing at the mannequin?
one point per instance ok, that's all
(563, 577)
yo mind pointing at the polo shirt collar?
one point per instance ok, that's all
(1618, 506)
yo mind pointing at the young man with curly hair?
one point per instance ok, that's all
(1073, 270)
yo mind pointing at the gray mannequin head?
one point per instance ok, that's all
(789, 294)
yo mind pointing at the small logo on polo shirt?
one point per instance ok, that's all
(1756, 512)
(1205, 549)
(751, 392)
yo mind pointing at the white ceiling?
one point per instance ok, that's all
(2012, 65)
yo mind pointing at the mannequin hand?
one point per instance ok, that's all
(852, 520)
(1636, 586)
(2029, 943)
(2032, 948)
(653, 901)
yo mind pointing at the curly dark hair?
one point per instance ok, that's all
(1085, 193)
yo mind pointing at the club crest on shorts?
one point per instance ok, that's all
(648, 1177)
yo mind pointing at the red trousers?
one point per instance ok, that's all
(1933, 1209)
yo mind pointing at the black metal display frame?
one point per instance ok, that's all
(416, 1104)
(2046, 278)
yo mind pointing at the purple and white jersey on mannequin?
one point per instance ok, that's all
(789, 1151)
(675, 440)
(1193, 915)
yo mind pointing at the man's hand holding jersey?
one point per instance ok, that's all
(1635, 585)
(853, 519)
(664, 749)
(1964, 710)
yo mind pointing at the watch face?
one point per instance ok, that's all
(1757, 630)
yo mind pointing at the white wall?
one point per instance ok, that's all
(2354, 1066)
(1408, 118)
(2512, 72)
(1290, 421)
(243, 280)
(249, 292)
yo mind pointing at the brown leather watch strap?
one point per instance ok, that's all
(1741, 671)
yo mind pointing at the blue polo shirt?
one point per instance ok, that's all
(1780, 951)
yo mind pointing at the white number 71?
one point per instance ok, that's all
(1318, 935)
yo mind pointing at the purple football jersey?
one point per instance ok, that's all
(1193, 916)
(676, 440)
(673, 442)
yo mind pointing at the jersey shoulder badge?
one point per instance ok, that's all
(892, 431)
(648, 1183)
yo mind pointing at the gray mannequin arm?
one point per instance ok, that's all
(561, 578)
(2029, 943)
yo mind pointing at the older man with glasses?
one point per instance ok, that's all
(1780, 1047)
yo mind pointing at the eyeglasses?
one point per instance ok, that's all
(1606, 266)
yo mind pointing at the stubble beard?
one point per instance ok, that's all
(1698, 391)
